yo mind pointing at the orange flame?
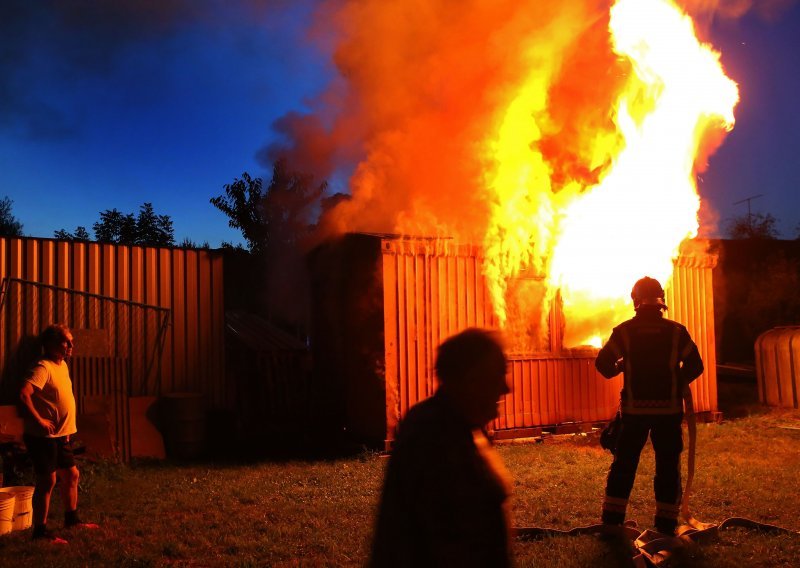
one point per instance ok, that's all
(592, 242)
(562, 135)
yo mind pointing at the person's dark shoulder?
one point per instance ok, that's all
(625, 325)
(423, 416)
(429, 423)
(673, 324)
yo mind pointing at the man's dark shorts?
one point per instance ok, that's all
(49, 454)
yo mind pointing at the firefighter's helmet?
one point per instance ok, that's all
(648, 292)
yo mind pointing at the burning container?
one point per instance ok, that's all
(383, 303)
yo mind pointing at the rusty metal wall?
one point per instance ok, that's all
(778, 366)
(434, 288)
(76, 276)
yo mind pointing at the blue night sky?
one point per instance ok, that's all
(111, 104)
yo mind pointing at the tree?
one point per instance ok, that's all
(280, 214)
(81, 234)
(115, 227)
(153, 230)
(9, 225)
(242, 204)
(753, 226)
(275, 223)
(146, 229)
(189, 243)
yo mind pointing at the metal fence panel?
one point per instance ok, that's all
(123, 291)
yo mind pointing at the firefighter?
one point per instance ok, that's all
(658, 360)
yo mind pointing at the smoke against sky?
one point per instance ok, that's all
(108, 105)
(50, 43)
(420, 88)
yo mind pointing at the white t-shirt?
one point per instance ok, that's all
(52, 398)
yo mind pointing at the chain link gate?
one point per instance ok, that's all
(118, 347)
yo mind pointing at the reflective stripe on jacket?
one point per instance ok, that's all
(657, 356)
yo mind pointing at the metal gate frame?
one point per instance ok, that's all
(85, 369)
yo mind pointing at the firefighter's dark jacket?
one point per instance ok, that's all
(658, 358)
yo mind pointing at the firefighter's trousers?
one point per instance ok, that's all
(666, 435)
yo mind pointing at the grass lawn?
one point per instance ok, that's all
(320, 513)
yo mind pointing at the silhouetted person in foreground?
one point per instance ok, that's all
(445, 493)
(659, 361)
(49, 412)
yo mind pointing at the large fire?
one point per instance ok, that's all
(593, 242)
(563, 136)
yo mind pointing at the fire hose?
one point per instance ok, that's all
(650, 548)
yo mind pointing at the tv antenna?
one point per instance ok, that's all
(748, 200)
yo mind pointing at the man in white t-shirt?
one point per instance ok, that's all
(49, 405)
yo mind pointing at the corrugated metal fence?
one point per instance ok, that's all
(147, 321)
(690, 297)
(433, 289)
